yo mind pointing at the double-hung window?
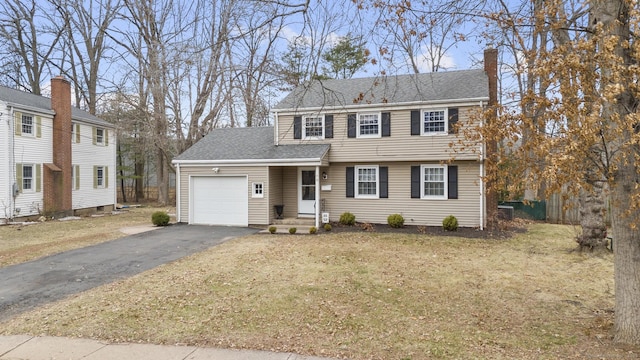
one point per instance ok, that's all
(367, 181)
(434, 121)
(100, 176)
(27, 178)
(434, 182)
(313, 127)
(368, 125)
(27, 125)
(99, 136)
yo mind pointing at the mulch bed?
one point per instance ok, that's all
(506, 229)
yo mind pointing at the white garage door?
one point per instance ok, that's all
(219, 200)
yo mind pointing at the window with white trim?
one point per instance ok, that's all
(367, 182)
(100, 176)
(433, 181)
(27, 125)
(368, 125)
(258, 190)
(27, 178)
(313, 127)
(99, 136)
(434, 122)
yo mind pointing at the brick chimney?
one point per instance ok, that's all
(491, 145)
(58, 175)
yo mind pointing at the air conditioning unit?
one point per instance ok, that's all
(506, 212)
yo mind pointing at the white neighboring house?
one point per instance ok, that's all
(54, 159)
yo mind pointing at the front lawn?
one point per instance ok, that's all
(362, 296)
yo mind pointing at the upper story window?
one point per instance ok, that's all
(366, 179)
(434, 122)
(100, 136)
(368, 125)
(313, 127)
(27, 125)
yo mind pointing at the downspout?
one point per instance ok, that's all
(12, 163)
(481, 178)
(276, 140)
(178, 192)
(317, 205)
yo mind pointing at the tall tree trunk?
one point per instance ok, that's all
(626, 248)
(592, 217)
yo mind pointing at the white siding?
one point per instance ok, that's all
(86, 155)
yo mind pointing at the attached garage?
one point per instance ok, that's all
(219, 200)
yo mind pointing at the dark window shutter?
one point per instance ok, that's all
(350, 180)
(351, 125)
(415, 182)
(386, 124)
(384, 182)
(453, 120)
(452, 181)
(328, 126)
(415, 122)
(297, 127)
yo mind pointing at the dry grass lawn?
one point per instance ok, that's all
(362, 296)
(20, 243)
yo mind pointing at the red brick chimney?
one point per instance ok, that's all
(491, 146)
(59, 179)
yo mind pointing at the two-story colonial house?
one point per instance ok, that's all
(54, 159)
(370, 146)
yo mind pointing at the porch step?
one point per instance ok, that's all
(295, 221)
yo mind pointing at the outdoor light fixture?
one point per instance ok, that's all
(324, 175)
(215, 170)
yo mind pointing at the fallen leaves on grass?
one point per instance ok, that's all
(361, 296)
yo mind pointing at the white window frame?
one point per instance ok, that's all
(359, 124)
(304, 127)
(445, 112)
(32, 178)
(445, 193)
(356, 182)
(73, 132)
(100, 138)
(32, 126)
(257, 190)
(100, 179)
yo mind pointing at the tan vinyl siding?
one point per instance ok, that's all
(258, 207)
(290, 191)
(274, 191)
(415, 211)
(400, 146)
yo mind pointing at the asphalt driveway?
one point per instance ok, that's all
(34, 283)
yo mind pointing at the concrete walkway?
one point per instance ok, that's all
(23, 347)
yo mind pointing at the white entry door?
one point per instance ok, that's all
(307, 192)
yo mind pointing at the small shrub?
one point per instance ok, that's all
(160, 218)
(292, 230)
(450, 223)
(313, 230)
(395, 221)
(347, 218)
(272, 229)
(327, 227)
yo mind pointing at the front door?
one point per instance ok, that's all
(307, 193)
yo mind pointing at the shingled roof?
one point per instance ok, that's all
(253, 143)
(17, 97)
(399, 89)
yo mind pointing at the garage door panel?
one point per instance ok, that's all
(220, 200)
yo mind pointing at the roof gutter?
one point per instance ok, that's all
(411, 104)
(301, 162)
(33, 109)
